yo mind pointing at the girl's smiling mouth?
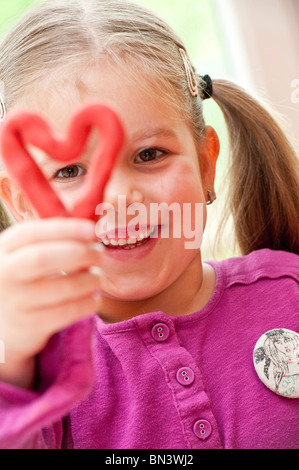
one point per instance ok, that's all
(128, 241)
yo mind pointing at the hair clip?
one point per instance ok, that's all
(191, 79)
(2, 109)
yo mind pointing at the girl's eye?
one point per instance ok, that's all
(68, 172)
(148, 155)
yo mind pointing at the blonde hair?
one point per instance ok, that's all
(5, 221)
(64, 34)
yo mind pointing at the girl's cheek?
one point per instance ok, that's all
(181, 183)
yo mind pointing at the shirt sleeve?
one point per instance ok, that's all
(34, 419)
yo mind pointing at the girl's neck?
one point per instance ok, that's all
(188, 294)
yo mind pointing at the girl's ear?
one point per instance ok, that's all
(208, 155)
(14, 200)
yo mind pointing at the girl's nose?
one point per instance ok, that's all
(121, 185)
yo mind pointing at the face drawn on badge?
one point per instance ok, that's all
(276, 361)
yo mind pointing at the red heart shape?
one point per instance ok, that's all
(22, 128)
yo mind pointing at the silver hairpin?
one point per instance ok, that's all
(191, 80)
(2, 109)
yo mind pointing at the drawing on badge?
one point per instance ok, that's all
(281, 350)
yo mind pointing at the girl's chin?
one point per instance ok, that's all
(122, 295)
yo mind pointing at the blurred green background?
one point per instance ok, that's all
(196, 21)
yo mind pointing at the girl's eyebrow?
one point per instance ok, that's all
(45, 160)
(156, 132)
(41, 158)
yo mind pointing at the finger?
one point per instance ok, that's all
(33, 231)
(47, 293)
(46, 259)
(51, 320)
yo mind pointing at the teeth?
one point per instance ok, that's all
(129, 241)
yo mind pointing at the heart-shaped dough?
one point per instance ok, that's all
(23, 128)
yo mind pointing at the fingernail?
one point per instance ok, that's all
(95, 270)
(99, 247)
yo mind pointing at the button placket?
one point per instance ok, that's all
(185, 382)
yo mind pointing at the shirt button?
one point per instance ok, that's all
(185, 376)
(202, 429)
(160, 332)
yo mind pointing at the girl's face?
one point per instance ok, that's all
(285, 346)
(159, 163)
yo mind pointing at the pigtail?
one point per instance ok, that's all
(263, 179)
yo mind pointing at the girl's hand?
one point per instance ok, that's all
(36, 298)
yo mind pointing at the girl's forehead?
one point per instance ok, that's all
(136, 98)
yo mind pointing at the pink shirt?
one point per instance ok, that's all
(163, 382)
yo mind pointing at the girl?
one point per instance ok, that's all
(167, 361)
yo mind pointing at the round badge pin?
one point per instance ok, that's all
(276, 361)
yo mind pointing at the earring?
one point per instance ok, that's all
(211, 197)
